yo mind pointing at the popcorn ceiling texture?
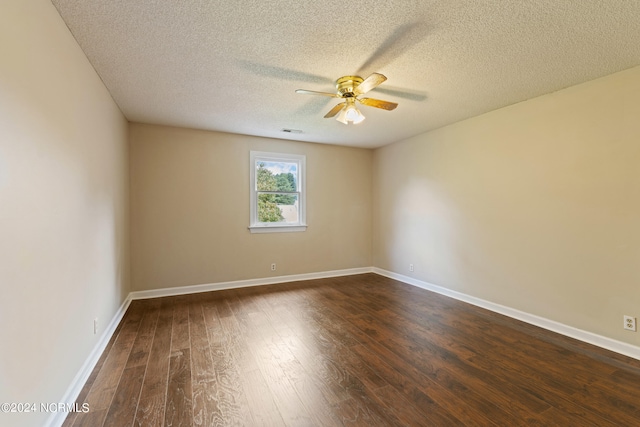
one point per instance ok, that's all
(233, 66)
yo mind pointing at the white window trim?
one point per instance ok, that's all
(266, 227)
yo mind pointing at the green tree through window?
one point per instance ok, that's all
(285, 182)
(268, 210)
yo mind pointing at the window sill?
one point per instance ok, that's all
(277, 228)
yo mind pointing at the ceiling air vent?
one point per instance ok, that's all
(291, 130)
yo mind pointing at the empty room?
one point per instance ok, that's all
(296, 213)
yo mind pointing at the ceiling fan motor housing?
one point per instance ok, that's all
(349, 88)
(346, 85)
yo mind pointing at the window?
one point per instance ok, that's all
(277, 192)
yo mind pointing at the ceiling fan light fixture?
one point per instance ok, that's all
(350, 114)
(349, 88)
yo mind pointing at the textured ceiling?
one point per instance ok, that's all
(234, 66)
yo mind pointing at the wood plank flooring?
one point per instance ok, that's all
(349, 351)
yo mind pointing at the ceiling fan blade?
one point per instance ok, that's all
(369, 83)
(335, 110)
(313, 92)
(377, 103)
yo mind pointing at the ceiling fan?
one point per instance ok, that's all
(350, 88)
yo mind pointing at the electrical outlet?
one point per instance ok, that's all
(273, 267)
(410, 267)
(95, 326)
(630, 323)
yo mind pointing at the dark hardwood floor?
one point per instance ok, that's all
(355, 351)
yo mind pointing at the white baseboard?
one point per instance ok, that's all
(551, 325)
(192, 289)
(57, 418)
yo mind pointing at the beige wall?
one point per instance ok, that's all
(535, 206)
(63, 207)
(190, 209)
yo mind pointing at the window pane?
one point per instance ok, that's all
(276, 176)
(278, 208)
(278, 197)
